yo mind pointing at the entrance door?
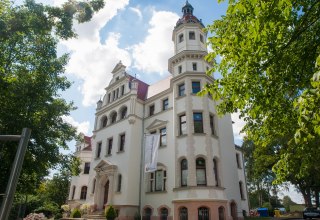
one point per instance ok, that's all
(106, 192)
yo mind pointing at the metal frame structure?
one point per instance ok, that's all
(15, 170)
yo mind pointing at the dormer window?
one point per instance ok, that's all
(192, 35)
(180, 38)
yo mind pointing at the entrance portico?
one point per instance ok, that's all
(105, 172)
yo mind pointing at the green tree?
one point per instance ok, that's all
(31, 82)
(286, 201)
(266, 52)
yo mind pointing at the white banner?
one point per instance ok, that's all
(151, 152)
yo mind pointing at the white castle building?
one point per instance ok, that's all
(199, 173)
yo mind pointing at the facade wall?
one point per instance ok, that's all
(207, 183)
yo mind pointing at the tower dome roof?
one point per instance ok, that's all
(188, 16)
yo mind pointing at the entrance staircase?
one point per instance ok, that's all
(97, 215)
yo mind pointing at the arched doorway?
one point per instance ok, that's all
(221, 213)
(106, 192)
(233, 208)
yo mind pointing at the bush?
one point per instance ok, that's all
(111, 213)
(75, 213)
(58, 216)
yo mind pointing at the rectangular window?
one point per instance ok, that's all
(98, 151)
(122, 90)
(201, 38)
(110, 141)
(165, 104)
(183, 124)
(151, 181)
(122, 142)
(180, 38)
(181, 90)
(119, 183)
(86, 168)
(195, 87)
(114, 95)
(198, 122)
(179, 69)
(109, 97)
(151, 110)
(238, 161)
(212, 124)
(201, 177)
(117, 92)
(163, 137)
(192, 35)
(159, 180)
(194, 66)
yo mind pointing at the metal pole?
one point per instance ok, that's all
(14, 175)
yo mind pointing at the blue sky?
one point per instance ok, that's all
(137, 32)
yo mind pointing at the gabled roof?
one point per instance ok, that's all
(118, 67)
(156, 123)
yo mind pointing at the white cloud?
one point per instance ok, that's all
(237, 127)
(137, 11)
(152, 54)
(92, 60)
(82, 127)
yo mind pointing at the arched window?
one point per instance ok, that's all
(73, 192)
(147, 214)
(104, 121)
(113, 117)
(201, 172)
(123, 112)
(221, 213)
(93, 185)
(183, 213)
(184, 172)
(215, 172)
(203, 213)
(83, 194)
(163, 214)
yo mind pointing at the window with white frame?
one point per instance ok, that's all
(182, 124)
(157, 180)
(181, 89)
(165, 104)
(163, 136)
(184, 172)
(201, 172)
